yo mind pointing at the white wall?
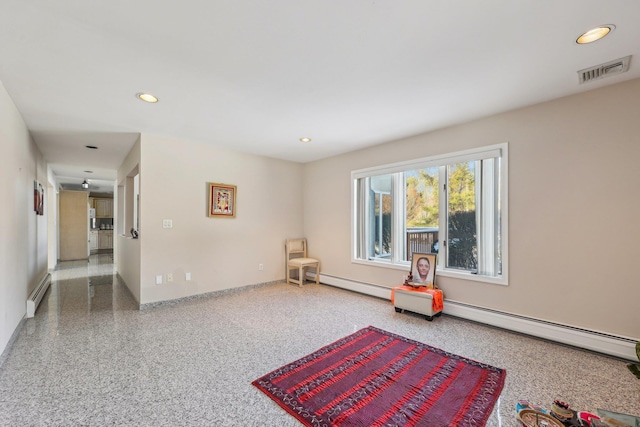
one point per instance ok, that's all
(23, 234)
(573, 209)
(220, 253)
(52, 219)
(126, 249)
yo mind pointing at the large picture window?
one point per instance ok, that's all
(452, 205)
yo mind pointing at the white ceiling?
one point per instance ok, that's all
(256, 76)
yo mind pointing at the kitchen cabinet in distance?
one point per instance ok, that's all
(105, 239)
(104, 208)
(93, 240)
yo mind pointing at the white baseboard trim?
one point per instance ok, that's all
(37, 295)
(621, 347)
(617, 346)
(363, 288)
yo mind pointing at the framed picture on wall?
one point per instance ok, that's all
(423, 269)
(222, 200)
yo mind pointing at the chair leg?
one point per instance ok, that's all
(301, 276)
(317, 273)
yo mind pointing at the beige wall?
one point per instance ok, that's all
(74, 220)
(23, 234)
(573, 209)
(220, 253)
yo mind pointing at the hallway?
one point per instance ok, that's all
(89, 357)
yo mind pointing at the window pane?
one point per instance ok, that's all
(490, 254)
(498, 222)
(421, 206)
(380, 216)
(462, 242)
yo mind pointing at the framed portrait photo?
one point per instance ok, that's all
(222, 200)
(423, 269)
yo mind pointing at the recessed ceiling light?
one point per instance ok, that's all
(93, 147)
(147, 97)
(89, 171)
(305, 139)
(595, 34)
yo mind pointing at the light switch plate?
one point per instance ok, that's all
(167, 223)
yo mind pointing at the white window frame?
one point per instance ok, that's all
(486, 224)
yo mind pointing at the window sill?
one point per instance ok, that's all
(502, 280)
(384, 264)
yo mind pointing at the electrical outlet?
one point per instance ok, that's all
(169, 277)
(187, 276)
(159, 279)
(260, 267)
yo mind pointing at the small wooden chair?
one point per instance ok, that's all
(296, 259)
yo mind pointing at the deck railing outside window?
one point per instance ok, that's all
(422, 240)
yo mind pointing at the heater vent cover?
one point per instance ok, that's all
(607, 69)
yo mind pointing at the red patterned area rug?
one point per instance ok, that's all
(376, 378)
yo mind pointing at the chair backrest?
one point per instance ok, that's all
(296, 248)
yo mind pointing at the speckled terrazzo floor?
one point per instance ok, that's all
(90, 358)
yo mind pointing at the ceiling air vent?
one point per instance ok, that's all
(604, 70)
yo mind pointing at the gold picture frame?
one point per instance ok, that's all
(222, 200)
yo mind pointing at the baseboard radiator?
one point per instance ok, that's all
(613, 345)
(37, 294)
